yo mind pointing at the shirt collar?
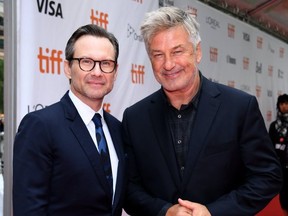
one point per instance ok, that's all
(85, 112)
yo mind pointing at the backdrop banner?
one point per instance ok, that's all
(234, 53)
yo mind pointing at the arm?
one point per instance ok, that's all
(262, 169)
(32, 164)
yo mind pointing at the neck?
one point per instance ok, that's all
(178, 98)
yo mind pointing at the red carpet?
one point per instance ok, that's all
(272, 209)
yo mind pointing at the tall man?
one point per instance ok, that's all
(195, 147)
(58, 166)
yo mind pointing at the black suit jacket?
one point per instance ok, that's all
(56, 165)
(231, 166)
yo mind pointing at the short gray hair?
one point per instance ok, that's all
(168, 17)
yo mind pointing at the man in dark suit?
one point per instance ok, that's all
(57, 163)
(194, 147)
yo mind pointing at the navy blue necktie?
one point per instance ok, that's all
(103, 149)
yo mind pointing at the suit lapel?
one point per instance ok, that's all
(160, 126)
(82, 135)
(206, 112)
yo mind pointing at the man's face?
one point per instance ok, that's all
(283, 107)
(174, 59)
(93, 85)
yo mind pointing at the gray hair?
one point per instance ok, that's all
(168, 17)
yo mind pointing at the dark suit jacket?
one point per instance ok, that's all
(56, 165)
(231, 166)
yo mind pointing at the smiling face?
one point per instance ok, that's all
(91, 87)
(174, 59)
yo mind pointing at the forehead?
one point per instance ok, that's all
(169, 38)
(91, 45)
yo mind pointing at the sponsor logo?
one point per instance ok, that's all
(137, 74)
(246, 62)
(270, 70)
(50, 60)
(258, 67)
(281, 52)
(138, 1)
(192, 11)
(259, 42)
(230, 60)
(245, 88)
(132, 33)
(269, 115)
(50, 8)
(99, 18)
(258, 91)
(106, 107)
(246, 36)
(214, 24)
(231, 30)
(231, 83)
(280, 74)
(213, 54)
(32, 108)
(270, 48)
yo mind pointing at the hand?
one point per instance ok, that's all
(178, 210)
(195, 208)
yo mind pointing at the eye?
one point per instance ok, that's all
(87, 61)
(107, 63)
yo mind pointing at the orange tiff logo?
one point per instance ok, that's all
(99, 18)
(137, 74)
(50, 61)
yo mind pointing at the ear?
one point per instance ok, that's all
(198, 53)
(67, 69)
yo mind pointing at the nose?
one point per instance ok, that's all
(96, 70)
(169, 63)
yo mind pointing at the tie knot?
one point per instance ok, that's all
(97, 120)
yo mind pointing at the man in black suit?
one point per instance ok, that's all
(57, 163)
(195, 147)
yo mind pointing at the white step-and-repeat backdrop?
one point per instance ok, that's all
(234, 53)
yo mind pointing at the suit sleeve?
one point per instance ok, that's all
(263, 175)
(32, 164)
(138, 201)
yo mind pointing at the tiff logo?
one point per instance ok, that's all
(258, 91)
(106, 107)
(231, 83)
(259, 42)
(269, 116)
(269, 93)
(246, 61)
(213, 54)
(192, 11)
(231, 31)
(281, 52)
(48, 60)
(137, 74)
(50, 7)
(270, 70)
(100, 19)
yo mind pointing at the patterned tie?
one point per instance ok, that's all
(103, 149)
